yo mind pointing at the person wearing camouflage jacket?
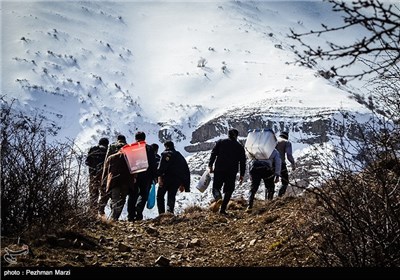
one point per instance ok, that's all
(95, 161)
(112, 149)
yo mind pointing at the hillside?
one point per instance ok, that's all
(187, 72)
(197, 238)
(102, 68)
(98, 69)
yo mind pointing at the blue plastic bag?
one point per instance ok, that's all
(151, 200)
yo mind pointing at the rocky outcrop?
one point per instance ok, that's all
(316, 129)
(173, 133)
(313, 128)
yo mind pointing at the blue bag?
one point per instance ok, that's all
(151, 200)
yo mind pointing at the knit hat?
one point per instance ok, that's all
(284, 134)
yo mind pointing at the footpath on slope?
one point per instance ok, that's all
(266, 237)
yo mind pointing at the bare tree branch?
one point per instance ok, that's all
(380, 50)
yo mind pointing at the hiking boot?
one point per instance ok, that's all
(139, 217)
(216, 205)
(101, 216)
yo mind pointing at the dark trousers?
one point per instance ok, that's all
(227, 180)
(137, 198)
(104, 197)
(118, 196)
(268, 177)
(94, 191)
(284, 180)
(172, 190)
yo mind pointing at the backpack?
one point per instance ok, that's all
(260, 143)
(95, 159)
(261, 167)
(114, 148)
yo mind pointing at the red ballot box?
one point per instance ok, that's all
(136, 157)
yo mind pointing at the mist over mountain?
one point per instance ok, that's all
(185, 71)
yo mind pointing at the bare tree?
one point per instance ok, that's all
(380, 50)
(353, 216)
(355, 210)
(41, 182)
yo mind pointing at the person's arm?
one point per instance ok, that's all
(163, 166)
(105, 173)
(278, 165)
(186, 185)
(184, 172)
(242, 165)
(289, 154)
(160, 181)
(214, 153)
(151, 158)
(88, 160)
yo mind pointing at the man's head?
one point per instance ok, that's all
(233, 133)
(121, 138)
(284, 135)
(169, 145)
(140, 136)
(104, 141)
(155, 147)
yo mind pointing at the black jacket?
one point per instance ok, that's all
(151, 171)
(174, 169)
(228, 155)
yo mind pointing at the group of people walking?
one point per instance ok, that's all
(228, 157)
(110, 177)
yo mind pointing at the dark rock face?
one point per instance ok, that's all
(200, 147)
(172, 133)
(218, 127)
(313, 128)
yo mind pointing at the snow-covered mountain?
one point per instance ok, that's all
(184, 70)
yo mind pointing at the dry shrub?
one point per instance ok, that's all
(42, 187)
(353, 219)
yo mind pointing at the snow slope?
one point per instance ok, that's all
(97, 68)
